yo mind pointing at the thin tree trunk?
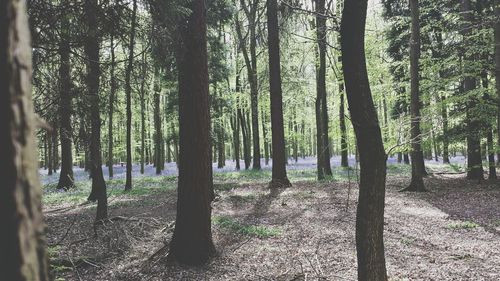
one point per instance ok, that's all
(22, 247)
(143, 112)
(491, 156)
(497, 70)
(66, 180)
(111, 108)
(128, 90)
(192, 238)
(417, 159)
(322, 108)
(264, 136)
(91, 49)
(370, 212)
(279, 177)
(157, 124)
(344, 162)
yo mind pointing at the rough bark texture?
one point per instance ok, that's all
(491, 156)
(321, 106)
(91, 49)
(158, 136)
(343, 130)
(128, 94)
(111, 108)
(279, 177)
(417, 158)
(22, 247)
(497, 69)
(66, 180)
(192, 239)
(474, 162)
(370, 212)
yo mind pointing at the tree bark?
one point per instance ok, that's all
(128, 90)
(158, 136)
(497, 69)
(111, 108)
(279, 177)
(474, 161)
(22, 247)
(321, 101)
(91, 49)
(66, 180)
(344, 162)
(143, 112)
(192, 239)
(370, 212)
(417, 159)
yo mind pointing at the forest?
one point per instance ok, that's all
(250, 140)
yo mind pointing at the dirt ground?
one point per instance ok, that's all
(305, 232)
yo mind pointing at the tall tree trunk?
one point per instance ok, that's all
(417, 159)
(279, 177)
(446, 142)
(111, 108)
(344, 162)
(143, 111)
(474, 162)
(491, 156)
(497, 69)
(128, 90)
(370, 212)
(264, 136)
(235, 126)
(192, 239)
(246, 145)
(250, 57)
(66, 180)
(321, 88)
(22, 247)
(50, 154)
(91, 49)
(158, 136)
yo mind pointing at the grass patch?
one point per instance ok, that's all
(463, 225)
(249, 230)
(242, 198)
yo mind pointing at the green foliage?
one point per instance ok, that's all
(463, 225)
(259, 231)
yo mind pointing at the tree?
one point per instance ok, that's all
(370, 212)
(22, 247)
(497, 68)
(66, 180)
(111, 109)
(474, 162)
(417, 157)
(192, 239)
(279, 177)
(128, 90)
(91, 49)
(250, 56)
(323, 145)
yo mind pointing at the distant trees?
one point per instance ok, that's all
(22, 247)
(192, 239)
(370, 212)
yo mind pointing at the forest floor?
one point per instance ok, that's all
(306, 232)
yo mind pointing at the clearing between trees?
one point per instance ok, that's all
(306, 232)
